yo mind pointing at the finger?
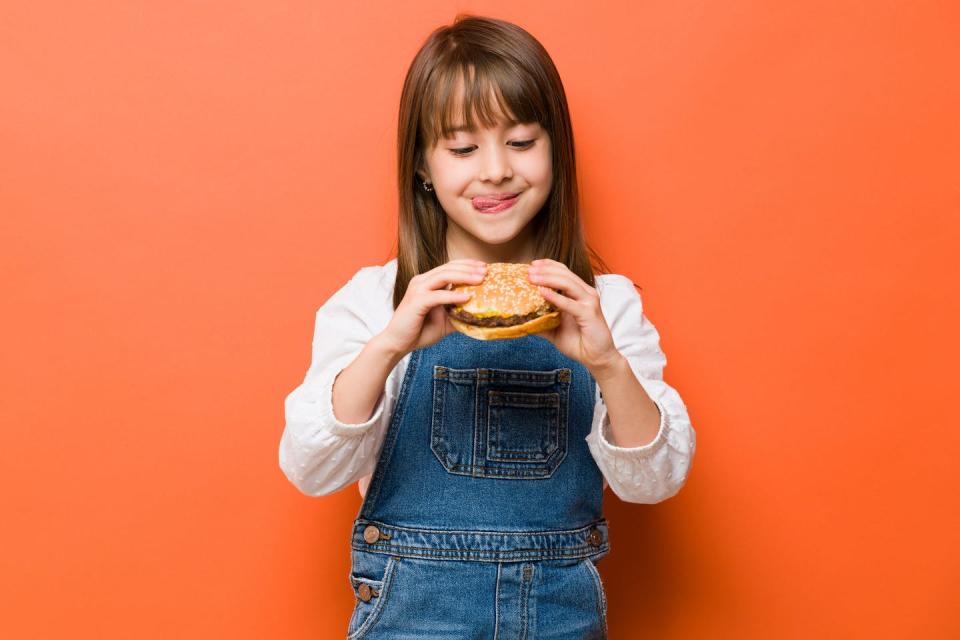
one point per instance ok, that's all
(448, 275)
(442, 296)
(546, 266)
(560, 301)
(564, 281)
(461, 268)
(543, 263)
(459, 275)
(463, 263)
(439, 298)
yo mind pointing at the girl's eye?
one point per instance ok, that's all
(520, 144)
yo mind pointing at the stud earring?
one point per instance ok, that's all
(427, 186)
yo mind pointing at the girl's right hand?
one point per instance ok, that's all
(421, 319)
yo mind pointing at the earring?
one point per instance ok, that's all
(426, 186)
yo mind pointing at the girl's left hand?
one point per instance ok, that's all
(583, 333)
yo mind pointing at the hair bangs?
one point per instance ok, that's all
(469, 94)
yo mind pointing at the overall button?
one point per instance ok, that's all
(366, 592)
(595, 538)
(371, 534)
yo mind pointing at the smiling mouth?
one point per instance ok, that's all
(494, 204)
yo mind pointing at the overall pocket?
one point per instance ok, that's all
(601, 594)
(370, 576)
(500, 423)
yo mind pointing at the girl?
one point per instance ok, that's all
(483, 515)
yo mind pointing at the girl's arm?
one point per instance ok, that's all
(357, 390)
(323, 450)
(654, 471)
(634, 418)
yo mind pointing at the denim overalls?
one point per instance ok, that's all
(483, 518)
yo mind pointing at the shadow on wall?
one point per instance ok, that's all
(655, 568)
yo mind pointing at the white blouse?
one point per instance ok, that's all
(320, 454)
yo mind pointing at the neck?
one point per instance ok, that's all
(519, 249)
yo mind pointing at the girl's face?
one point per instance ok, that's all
(510, 158)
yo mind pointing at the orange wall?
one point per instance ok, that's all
(182, 185)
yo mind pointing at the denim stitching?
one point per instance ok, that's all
(526, 578)
(596, 524)
(476, 408)
(553, 431)
(381, 602)
(488, 556)
(601, 596)
(496, 604)
(519, 468)
(390, 440)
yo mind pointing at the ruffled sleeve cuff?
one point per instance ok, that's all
(603, 437)
(654, 471)
(337, 426)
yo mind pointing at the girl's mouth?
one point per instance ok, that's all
(493, 205)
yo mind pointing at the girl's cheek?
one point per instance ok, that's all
(455, 176)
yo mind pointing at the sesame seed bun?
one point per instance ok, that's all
(505, 305)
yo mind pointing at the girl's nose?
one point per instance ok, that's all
(496, 165)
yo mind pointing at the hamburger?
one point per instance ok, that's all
(505, 305)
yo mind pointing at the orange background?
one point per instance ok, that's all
(182, 185)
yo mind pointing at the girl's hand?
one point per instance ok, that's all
(583, 333)
(421, 319)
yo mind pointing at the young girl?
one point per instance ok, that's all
(483, 514)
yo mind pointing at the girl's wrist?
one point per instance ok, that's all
(609, 368)
(385, 349)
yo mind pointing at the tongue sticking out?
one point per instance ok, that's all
(481, 202)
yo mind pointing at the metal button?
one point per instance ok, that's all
(595, 538)
(366, 592)
(371, 534)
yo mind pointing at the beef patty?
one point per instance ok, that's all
(493, 321)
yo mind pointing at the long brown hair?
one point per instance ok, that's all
(490, 57)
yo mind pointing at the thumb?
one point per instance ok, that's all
(438, 317)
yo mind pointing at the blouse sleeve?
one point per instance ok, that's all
(318, 453)
(657, 470)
